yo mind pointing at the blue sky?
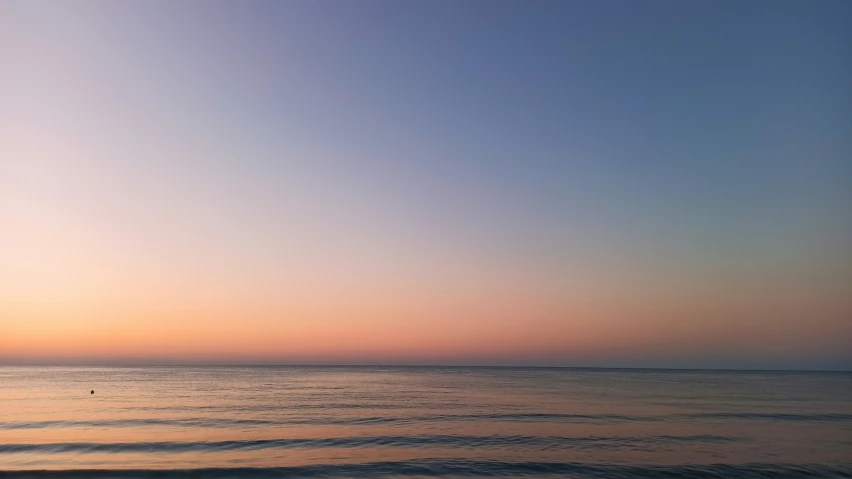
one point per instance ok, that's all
(679, 156)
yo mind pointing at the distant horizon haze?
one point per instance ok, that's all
(661, 365)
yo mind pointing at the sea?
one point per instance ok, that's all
(424, 422)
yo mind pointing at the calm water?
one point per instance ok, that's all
(424, 422)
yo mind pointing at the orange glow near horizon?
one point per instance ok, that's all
(358, 328)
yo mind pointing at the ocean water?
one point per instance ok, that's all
(422, 422)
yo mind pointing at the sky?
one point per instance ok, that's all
(572, 183)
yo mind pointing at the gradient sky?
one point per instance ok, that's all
(587, 183)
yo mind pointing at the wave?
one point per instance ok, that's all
(467, 468)
(770, 416)
(520, 417)
(182, 422)
(494, 441)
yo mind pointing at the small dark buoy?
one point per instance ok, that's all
(93, 392)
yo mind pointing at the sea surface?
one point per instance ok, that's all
(422, 422)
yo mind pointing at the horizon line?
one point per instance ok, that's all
(369, 365)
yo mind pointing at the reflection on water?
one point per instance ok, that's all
(329, 422)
